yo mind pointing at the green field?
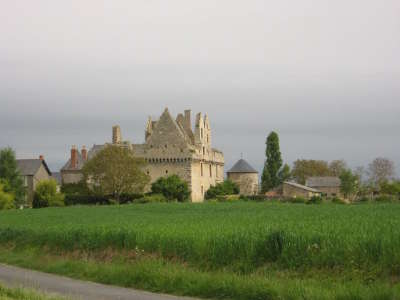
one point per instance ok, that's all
(24, 294)
(237, 250)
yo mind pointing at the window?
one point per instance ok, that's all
(148, 172)
(166, 171)
(216, 171)
(210, 171)
(202, 190)
(204, 150)
(201, 133)
(207, 138)
(201, 169)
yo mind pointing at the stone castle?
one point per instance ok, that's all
(171, 147)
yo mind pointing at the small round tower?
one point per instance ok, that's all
(245, 176)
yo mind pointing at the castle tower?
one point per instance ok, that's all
(116, 135)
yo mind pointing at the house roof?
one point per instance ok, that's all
(300, 186)
(28, 167)
(325, 181)
(242, 166)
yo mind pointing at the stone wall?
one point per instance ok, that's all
(247, 182)
(293, 192)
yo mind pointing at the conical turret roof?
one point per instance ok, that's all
(242, 166)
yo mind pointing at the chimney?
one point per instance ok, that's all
(74, 157)
(116, 134)
(188, 122)
(41, 157)
(84, 153)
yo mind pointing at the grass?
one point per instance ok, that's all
(238, 250)
(24, 294)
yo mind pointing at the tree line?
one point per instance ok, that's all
(378, 176)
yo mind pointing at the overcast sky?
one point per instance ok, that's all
(324, 74)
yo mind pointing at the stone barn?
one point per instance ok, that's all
(245, 176)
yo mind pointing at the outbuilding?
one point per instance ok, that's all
(245, 176)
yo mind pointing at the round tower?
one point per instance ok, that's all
(245, 176)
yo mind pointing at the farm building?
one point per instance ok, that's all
(293, 190)
(327, 185)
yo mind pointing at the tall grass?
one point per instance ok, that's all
(242, 236)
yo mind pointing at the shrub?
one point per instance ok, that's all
(227, 187)
(6, 199)
(337, 200)
(46, 195)
(172, 187)
(297, 200)
(314, 200)
(258, 198)
(79, 188)
(385, 198)
(71, 199)
(153, 198)
(227, 198)
(129, 198)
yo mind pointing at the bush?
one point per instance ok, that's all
(295, 200)
(227, 198)
(79, 188)
(153, 198)
(6, 199)
(385, 198)
(314, 200)
(46, 195)
(227, 187)
(172, 187)
(337, 200)
(71, 199)
(129, 198)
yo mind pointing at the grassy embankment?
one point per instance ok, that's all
(24, 294)
(224, 250)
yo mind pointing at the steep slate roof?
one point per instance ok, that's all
(325, 181)
(300, 186)
(242, 166)
(28, 167)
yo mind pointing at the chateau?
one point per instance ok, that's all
(171, 147)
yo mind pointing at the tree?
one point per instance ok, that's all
(303, 168)
(348, 183)
(380, 170)
(114, 171)
(337, 167)
(172, 187)
(273, 163)
(284, 173)
(46, 195)
(227, 187)
(6, 199)
(9, 172)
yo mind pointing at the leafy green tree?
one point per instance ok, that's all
(303, 168)
(9, 172)
(6, 199)
(79, 188)
(284, 173)
(337, 167)
(349, 183)
(115, 171)
(270, 178)
(391, 188)
(227, 187)
(46, 194)
(172, 187)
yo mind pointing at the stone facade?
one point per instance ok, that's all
(245, 176)
(171, 147)
(328, 185)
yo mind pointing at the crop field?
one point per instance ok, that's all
(355, 246)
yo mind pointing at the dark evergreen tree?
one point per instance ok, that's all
(10, 175)
(270, 177)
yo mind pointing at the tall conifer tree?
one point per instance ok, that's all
(270, 177)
